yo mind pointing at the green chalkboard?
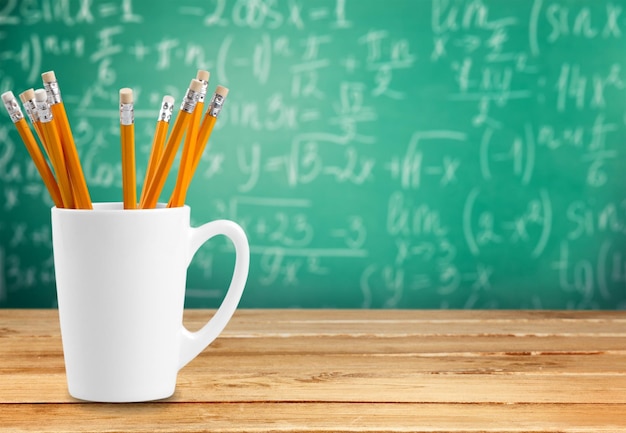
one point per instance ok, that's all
(399, 154)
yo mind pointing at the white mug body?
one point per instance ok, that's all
(121, 277)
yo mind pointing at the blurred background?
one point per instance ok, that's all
(399, 154)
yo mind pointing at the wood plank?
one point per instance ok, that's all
(313, 417)
(538, 364)
(246, 323)
(508, 379)
(338, 387)
(265, 315)
(474, 346)
(469, 346)
(380, 345)
(249, 323)
(311, 370)
(428, 359)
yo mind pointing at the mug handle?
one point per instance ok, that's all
(192, 343)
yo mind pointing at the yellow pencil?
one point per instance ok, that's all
(215, 106)
(31, 146)
(28, 100)
(163, 122)
(127, 135)
(51, 137)
(210, 117)
(189, 147)
(182, 119)
(70, 154)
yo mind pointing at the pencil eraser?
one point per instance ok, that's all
(195, 85)
(7, 97)
(126, 95)
(203, 75)
(41, 95)
(48, 77)
(27, 95)
(168, 99)
(222, 91)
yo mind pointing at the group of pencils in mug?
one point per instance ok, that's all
(59, 165)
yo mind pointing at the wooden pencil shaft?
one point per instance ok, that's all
(51, 137)
(40, 162)
(28, 100)
(200, 146)
(129, 182)
(79, 185)
(178, 195)
(40, 135)
(166, 161)
(31, 110)
(39, 132)
(215, 106)
(186, 162)
(156, 150)
(10, 102)
(155, 155)
(187, 107)
(127, 136)
(203, 136)
(58, 161)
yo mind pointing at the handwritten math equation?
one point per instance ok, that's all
(442, 153)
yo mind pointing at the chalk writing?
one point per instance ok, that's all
(440, 153)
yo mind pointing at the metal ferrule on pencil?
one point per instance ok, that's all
(15, 112)
(53, 91)
(189, 101)
(205, 86)
(31, 110)
(216, 104)
(127, 114)
(43, 110)
(165, 114)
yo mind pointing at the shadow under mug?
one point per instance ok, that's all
(121, 277)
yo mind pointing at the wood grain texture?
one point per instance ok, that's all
(312, 417)
(346, 370)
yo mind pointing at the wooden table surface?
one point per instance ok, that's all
(347, 370)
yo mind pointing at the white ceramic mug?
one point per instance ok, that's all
(121, 277)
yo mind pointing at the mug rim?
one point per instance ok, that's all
(118, 206)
